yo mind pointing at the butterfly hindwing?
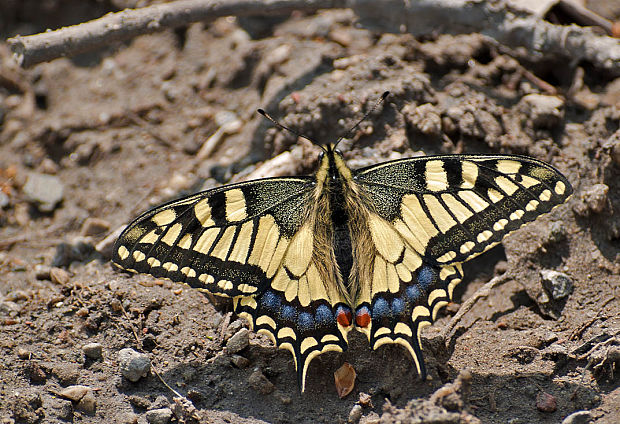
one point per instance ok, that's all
(298, 312)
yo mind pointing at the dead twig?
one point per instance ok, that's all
(529, 34)
(114, 27)
(536, 38)
(448, 330)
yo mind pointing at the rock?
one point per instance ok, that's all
(42, 272)
(94, 226)
(239, 361)
(546, 402)
(239, 341)
(59, 276)
(579, 417)
(93, 350)
(159, 416)
(542, 111)
(260, 383)
(87, 404)
(595, 197)
(133, 365)
(61, 408)
(355, 414)
(45, 191)
(23, 353)
(556, 284)
(79, 251)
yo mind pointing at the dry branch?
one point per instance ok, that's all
(496, 20)
(114, 27)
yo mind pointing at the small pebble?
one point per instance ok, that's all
(45, 191)
(94, 226)
(543, 111)
(579, 417)
(557, 284)
(239, 341)
(239, 361)
(260, 383)
(159, 416)
(42, 272)
(596, 197)
(93, 350)
(140, 402)
(365, 400)
(87, 404)
(355, 414)
(59, 276)
(79, 251)
(546, 402)
(23, 353)
(133, 365)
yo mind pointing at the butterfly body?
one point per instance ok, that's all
(379, 249)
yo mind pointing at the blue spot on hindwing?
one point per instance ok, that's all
(270, 301)
(398, 306)
(324, 316)
(288, 313)
(305, 321)
(380, 309)
(413, 293)
(426, 276)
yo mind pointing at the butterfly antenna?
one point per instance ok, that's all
(279, 125)
(348, 133)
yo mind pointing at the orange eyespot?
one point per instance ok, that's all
(362, 317)
(343, 316)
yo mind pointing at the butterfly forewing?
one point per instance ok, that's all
(452, 208)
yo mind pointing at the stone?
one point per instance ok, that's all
(159, 416)
(546, 402)
(87, 404)
(133, 365)
(543, 111)
(59, 276)
(260, 383)
(355, 414)
(94, 226)
(239, 341)
(93, 350)
(558, 285)
(45, 191)
(579, 417)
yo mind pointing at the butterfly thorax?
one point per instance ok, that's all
(341, 218)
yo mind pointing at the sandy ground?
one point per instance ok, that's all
(88, 143)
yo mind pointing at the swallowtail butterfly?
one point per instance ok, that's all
(379, 249)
